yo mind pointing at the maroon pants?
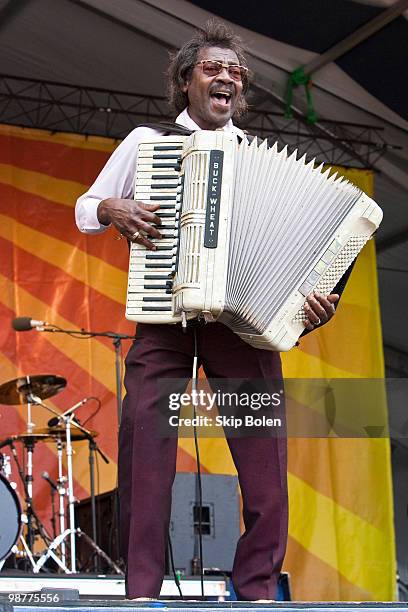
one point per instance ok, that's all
(147, 461)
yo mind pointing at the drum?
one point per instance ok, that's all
(10, 511)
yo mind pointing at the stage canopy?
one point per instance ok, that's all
(123, 46)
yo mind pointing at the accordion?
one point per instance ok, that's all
(248, 232)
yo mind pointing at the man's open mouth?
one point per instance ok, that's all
(222, 97)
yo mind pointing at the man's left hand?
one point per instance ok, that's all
(319, 309)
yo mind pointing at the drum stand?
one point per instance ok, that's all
(61, 498)
(71, 532)
(29, 477)
(62, 491)
(28, 517)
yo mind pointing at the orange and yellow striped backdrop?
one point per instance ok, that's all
(341, 543)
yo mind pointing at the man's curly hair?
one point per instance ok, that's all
(213, 34)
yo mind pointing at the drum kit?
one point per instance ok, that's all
(20, 531)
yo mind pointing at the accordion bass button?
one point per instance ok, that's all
(313, 277)
(305, 289)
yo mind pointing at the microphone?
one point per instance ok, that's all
(50, 481)
(53, 422)
(26, 323)
(56, 420)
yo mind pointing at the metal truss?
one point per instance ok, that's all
(334, 142)
(68, 108)
(60, 107)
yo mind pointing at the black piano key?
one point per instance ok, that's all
(166, 197)
(158, 265)
(167, 147)
(155, 287)
(159, 256)
(156, 308)
(163, 177)
(164, 165)
(156, 299)
(166, 207)
(157, 277)
(164, 215)
(165, 156)
(163, 186)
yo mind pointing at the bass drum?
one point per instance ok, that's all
(10, 511)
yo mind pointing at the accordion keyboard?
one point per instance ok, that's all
(151, 272)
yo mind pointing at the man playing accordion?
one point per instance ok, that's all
(208, 80)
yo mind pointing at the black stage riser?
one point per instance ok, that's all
(164, 606)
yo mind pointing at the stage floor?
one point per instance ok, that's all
(109, 587)
(92, 593)
(186, 606)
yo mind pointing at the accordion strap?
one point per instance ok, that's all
(176, 129)
(168, 128)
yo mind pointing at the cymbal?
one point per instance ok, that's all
(76, 434)
(43, 386)
(49, 434)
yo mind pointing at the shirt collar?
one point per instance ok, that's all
(185, 120)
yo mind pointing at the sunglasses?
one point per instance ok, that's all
(212, 67)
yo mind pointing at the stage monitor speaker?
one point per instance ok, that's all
(220, 524)
(220, 521)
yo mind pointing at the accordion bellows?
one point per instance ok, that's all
(249, 232)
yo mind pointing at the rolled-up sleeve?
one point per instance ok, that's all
(116, 180)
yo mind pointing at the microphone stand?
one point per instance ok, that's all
(117, 344)
(93, 447)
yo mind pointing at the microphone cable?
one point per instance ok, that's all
(199, 483)
(197, 451)
(173, 568)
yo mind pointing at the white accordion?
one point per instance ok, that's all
(248, 232)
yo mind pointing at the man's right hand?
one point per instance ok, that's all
(129, 217)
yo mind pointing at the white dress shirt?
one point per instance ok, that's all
(116, 179)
